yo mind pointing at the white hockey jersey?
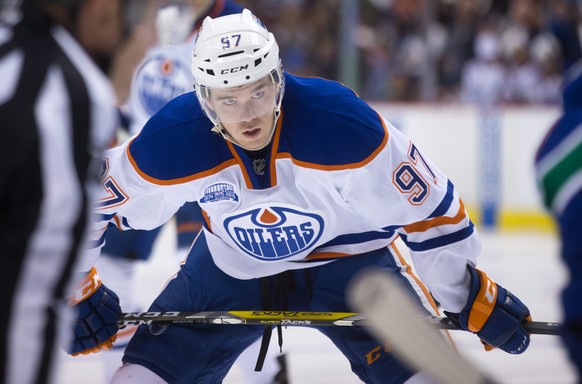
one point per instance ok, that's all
(165, 71)
(164, 74)
(339, 181)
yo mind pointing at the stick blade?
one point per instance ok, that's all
(394, 319)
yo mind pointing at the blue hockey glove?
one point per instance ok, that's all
(97, 313)
(494, 314)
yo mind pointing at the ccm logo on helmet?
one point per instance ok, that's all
(234, 70)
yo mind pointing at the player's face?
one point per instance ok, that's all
(246, 112)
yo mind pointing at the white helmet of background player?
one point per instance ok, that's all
(174, 22)
(238, 77)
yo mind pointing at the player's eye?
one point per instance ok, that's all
(258, 95)
(229, 102)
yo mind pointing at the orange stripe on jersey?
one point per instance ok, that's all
(179, 180)
(207, 220)
(240, 164)
(327, 255)
(274, 149)
(117, 223)
(420, 284)
(189, 227)
(437, 221)
(411, 274)
(359, 164)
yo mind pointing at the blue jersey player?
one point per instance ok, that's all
(301, 184)
(559, 171)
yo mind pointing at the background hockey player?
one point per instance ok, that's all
(302, 185)
(559, 171)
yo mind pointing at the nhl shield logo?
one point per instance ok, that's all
(274, 232)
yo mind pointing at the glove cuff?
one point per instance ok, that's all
(484, 302)
(89, 285)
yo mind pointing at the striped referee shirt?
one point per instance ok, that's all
(57, 115)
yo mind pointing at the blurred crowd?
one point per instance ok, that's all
(492, 51)
(502, 51)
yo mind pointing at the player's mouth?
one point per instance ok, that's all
(251, 133)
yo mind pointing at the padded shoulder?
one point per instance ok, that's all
(326, 123)
(177, 142)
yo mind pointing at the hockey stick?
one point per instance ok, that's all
(395, 320)
(291, 318)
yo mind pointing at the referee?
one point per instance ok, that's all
(57, 115)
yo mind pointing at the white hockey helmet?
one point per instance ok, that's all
(174, 22)
(233, 51)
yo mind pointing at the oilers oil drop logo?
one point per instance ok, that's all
(274, 233)
(159, 80)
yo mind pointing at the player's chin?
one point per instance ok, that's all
(253, 143)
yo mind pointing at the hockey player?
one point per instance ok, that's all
(302, 185)
(164, 74)
(57, 116)
(559, 171)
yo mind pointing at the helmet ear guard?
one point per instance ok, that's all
(203, 99)
(278, 78)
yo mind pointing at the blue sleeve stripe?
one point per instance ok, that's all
(439, 211)
(391, 228)
(110, 218)
(439, 241)
(445, 204)
(104, 217)
(357, 238)
(99, 242)
(307, 261)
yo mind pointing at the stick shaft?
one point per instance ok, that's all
(395, 319)
(533, 327)
(292, 318)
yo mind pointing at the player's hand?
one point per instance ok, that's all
(494, 314)
(97, 313)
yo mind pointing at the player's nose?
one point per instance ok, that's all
(248, 112)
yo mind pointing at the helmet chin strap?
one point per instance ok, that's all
(220, 130)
